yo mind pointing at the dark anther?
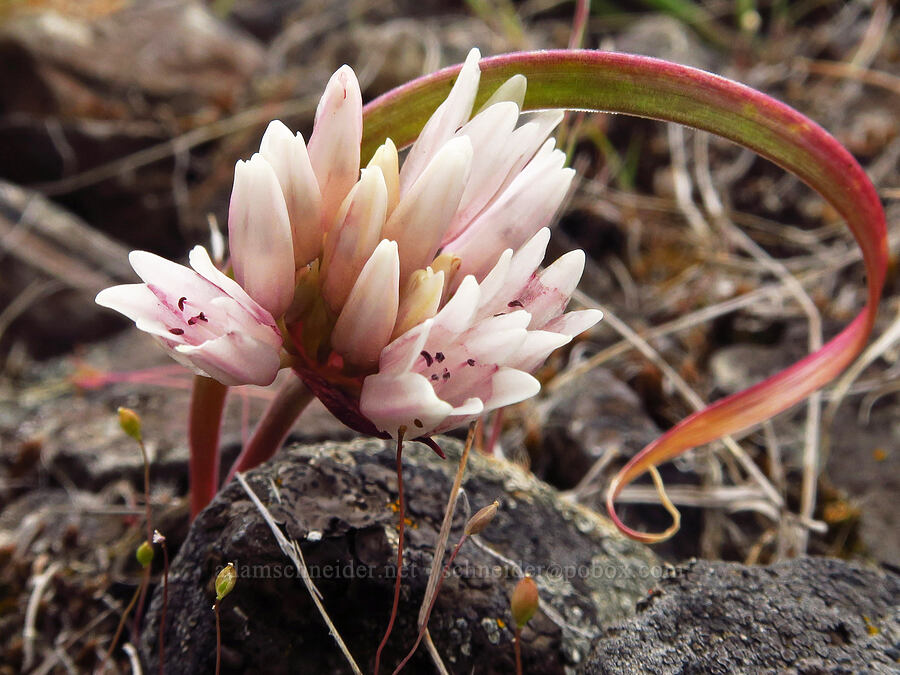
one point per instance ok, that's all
(195, 319)
(181, 303)
(471, 362)
(434, 377)
(515, 303)
(500, 314)
(418, 423)
(439, 357)
(428, 359)
(445, 374)
(176, 331)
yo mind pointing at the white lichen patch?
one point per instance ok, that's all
(491, 629)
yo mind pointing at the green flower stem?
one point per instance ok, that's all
(274, 426)
(207, 404)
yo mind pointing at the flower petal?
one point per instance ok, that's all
(521, 269)
(259, 235)
(349, 245)
(511, 386)
(334, 142)
(528, 204)
(535, 349)
(287, 155)
(443, 123)
(490, 134)
(203, 265)
(420, 300)
(573, 323)
(547, 295)
(404, 400)
(425, 210)
(367, 319)
(512, 90)
(400, 355)
(386, 159)
(139, 304)
(457, 315)
(495, 281)
(234, 359)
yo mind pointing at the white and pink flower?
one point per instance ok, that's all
(410, 294)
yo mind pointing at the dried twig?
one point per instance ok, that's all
(885, 341)
(258, 116)
(444, 534)
(682, 181)
(811, 446)
(29, 633)
(133, 659)
(683, 388)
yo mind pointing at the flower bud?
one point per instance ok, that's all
(144, 554)
(524, 601)
(130, 422)
(482, 519)
(225, 581)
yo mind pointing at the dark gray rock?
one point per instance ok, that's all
(84, 89)
(811, 615)
(65, 408)
(335, 499)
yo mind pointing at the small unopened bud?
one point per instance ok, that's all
(144, 554)
(225, 581)
(482, 519)
(524, 601)
(130, 422)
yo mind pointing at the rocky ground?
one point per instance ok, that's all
(120, 123)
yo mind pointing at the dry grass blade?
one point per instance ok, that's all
(812, 439)
(885, 341)
(29, 633)
(686, 392)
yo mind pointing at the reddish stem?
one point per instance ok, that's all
(274, 426)
(579, 23)
(402, 512)
(118, 634)
(496, 428)
(139, 611)
(518, 649)
(437, 590)
(207, 404)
